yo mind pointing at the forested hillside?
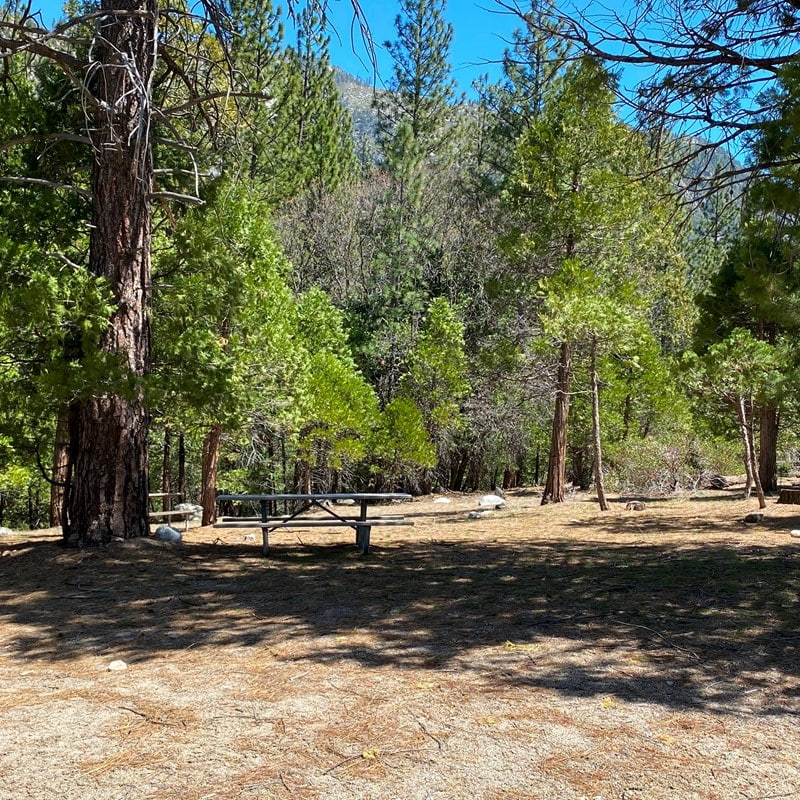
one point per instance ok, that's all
(231, 267)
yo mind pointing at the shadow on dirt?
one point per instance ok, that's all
(705, 625)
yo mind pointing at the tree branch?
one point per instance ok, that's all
(43, 182)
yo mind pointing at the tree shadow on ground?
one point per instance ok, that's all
(683, 625)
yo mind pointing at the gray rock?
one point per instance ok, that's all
(714, 482)
(197, 511)
(442, 500)
(756, 516)
(480, 514)
(6, 531)
(795, 533)
(492, 501)
(635, 505)
(167, 534)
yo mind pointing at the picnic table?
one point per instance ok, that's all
(316, 511)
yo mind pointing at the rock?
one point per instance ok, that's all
(249, 537)
(756, 516)
(492, 501)
(795, 533)
(347, 502)
(634, 505)
(117, 666)
(167, 534)
(442, 500)
(197, 511)
(480, 514)
(6, 531)
(714, 482)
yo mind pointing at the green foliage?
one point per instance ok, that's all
(338, 407)
(400, 443)
(537, 56)
(297, 136)
(223, 317)
(413, 115)
(436, 375)
(676, 458)
(738, 366)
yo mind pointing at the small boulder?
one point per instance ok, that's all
(117, 666)
(714, 482)
(492, 501)
(6, 531)
(442, 500)
(167, 534)
(634, 505)
(480, 514)
(197, 511)
(795, 533)
(756, 516)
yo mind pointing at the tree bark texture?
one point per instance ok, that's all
(768, 448)
(182, 467)
(555, 487)
(109, 440)
(209, 477)
(598, 452)
(60, 469)
(166, 476)
(751, 464)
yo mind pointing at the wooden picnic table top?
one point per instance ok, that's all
(356, 496)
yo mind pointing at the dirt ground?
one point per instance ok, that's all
(554, 652)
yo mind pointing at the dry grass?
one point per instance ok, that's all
(552, 652)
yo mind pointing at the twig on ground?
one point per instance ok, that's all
(662, 636)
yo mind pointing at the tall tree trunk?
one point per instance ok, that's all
(598, 452)
(768, 448)
(182, 467)
(751, 464)
(555, 486)
(208, 497)
(166, 482)
(60, 469)
(109, 442)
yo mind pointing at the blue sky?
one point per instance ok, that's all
(481, 31)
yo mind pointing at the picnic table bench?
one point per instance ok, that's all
(169, 513)
(321, 504)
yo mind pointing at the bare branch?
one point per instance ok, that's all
(42, 182)
(183, 198)
(49, 137)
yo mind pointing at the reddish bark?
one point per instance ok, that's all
(555, 487)
(109, 438)
(208, 497)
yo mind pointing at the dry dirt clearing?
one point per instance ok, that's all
(552, 652)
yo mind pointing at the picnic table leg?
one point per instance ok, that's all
(264, 530)
(362, 538)
(265, 540)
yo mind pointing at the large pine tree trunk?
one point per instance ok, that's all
(555, 487)
(109, 440)
(768, 448)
